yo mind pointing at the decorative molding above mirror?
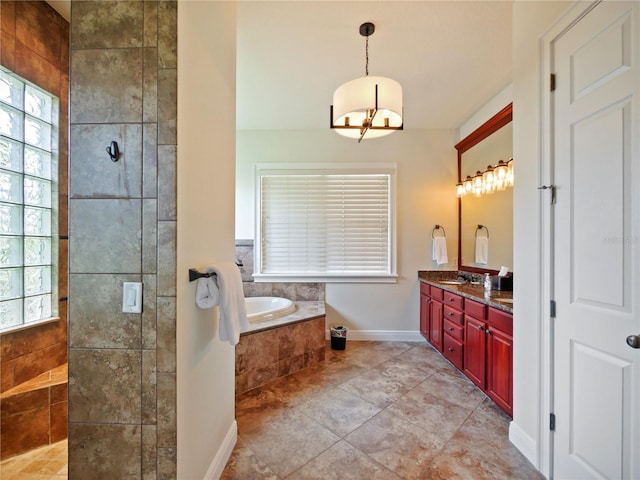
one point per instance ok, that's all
(493, 212)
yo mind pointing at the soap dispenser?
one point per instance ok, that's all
(487, 284)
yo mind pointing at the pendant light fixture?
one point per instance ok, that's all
(370, 106)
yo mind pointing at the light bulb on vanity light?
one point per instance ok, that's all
(488, 183)
(510, 172)
(477, 184)
(500, 171)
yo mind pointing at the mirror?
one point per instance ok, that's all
(489, 143)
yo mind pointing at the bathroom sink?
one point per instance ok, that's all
(452, 282)
(504, 300)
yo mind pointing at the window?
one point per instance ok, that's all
(28, 199)
(325, 223)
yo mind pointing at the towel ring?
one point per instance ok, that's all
(481, 227)
(438, 227)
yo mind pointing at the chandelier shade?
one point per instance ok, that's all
(370, 106)
(374, 103)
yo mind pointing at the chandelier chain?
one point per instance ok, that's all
(366, 66)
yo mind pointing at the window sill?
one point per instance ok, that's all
(24, 326)
(258, 278)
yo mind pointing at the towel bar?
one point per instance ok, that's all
(195, 274)
(438, 227)
(480, 227)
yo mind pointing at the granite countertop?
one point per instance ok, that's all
(468, 290)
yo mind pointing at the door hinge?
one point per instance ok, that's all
(552, 422)
(552, 309)
(552, 82)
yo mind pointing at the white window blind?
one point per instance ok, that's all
(328, 224)
(28, 199)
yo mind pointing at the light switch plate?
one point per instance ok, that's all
(132, 297)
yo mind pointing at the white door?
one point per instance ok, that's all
(596, 271)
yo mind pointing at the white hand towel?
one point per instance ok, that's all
(482, 250)
(440, 250)
(233, 313)
(207, 293)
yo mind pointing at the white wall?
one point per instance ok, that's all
(488, 110)
(427, 173)
(530, 20)
(206, 177)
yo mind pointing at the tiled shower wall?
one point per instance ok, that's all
(122, 228)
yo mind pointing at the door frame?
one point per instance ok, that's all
(545, 229)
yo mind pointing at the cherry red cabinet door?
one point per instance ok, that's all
(500, 369)
(474, 350)
(435, 325)
(425, 313)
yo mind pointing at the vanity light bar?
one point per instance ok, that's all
(493, 179)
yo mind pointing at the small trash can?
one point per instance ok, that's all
(338, 337)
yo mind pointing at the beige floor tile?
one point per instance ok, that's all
(287, 441)
(339, 411)
(387, 382)
(343, 462)
(244, 465)
(454, 388)
(397, 444)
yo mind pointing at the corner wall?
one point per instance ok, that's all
(206, 184)
(122, 228)
(427, 174)
(530, 21)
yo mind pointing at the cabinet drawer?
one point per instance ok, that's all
(436, 293)
(475, 309)
(501, 320)
(453, 315)
(424, 288)
(453, 329)
(452, 350)
(453, 300)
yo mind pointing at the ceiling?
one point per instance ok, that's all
(450, 57)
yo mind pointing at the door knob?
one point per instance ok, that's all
(633, 341)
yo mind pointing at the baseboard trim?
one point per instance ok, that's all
(214, 472)
(382, 335)
(524, 443)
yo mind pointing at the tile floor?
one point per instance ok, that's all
(44, 463)
(377, 410)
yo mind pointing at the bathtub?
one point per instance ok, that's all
(267, 308)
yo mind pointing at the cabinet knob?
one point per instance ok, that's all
(450, 314)
(450, 349)
(450, 329)
(480, 327)
(487, 332)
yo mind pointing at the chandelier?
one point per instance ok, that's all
(370, 106)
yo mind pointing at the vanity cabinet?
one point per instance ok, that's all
(425, 301)
(475, 337)
(475, 346)
(453, 329)
(431, 315)
(499, 379)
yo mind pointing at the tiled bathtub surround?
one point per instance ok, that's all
(293, 291)
(122, 215)
(266, 355)
(34, 44)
